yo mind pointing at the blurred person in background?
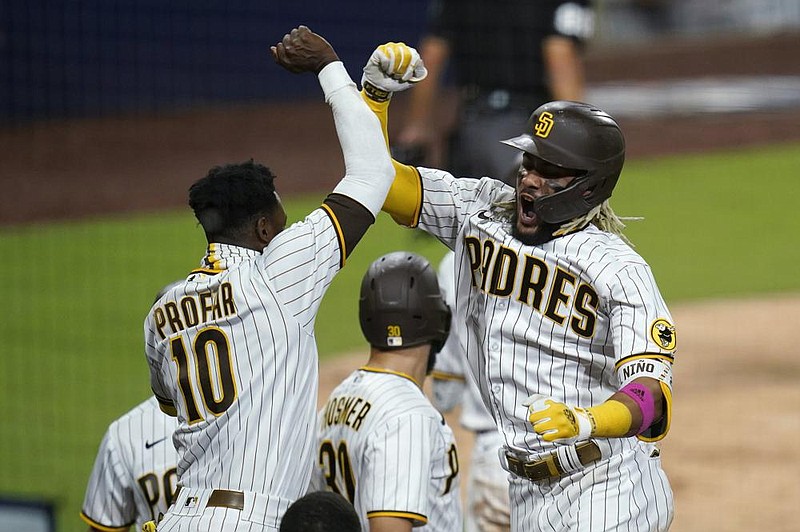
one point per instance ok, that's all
(508, 57)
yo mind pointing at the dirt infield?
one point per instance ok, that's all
(732, 454)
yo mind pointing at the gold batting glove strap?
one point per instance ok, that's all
(374, 93)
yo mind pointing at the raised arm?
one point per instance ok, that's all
(378, 85)
(357, 199)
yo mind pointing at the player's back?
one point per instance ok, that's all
(386, 448)
(134, 477)
(233, 352)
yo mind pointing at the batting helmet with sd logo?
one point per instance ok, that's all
(581, 138)
(401, 304)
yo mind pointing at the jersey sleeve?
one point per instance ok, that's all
(644, 336)
(302, 261)
(636, 309)
(447, 201)
(398, 468)
(109, 501)
(160, 391)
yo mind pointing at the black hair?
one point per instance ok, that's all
(230, 197)
(321, 511)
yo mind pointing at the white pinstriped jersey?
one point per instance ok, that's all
(232, 350)
(452, 381)
(487, 504)
(385, 447)
(239, 362)
(553, 319)
(557, 319)
(134, 474)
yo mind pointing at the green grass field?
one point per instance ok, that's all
(720, 225)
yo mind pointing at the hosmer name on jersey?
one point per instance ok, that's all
(194, 309)
(500, 272)
(346, 410)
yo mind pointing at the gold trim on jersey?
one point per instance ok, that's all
(390, 372)
(444, 376)
(654, 356)
(405, 515)
(220, 257)
(166, 405)
(207, 271)
(339, 234)
(211, 260)
(89, 521)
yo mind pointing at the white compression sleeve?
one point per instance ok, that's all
(368, 167)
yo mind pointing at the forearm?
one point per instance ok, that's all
(636, 407)
(389, 524)
(403, 200)
(368, 168)
(564, 66)
(625, 412)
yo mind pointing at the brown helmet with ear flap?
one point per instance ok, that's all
(401, 304)
(579, 137)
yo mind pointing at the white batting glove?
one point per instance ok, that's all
(556, 422)
(392, 67)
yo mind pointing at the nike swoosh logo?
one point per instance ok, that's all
(147, 444)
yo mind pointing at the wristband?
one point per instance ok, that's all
(611, 419)
(643, 397)
(374, 93)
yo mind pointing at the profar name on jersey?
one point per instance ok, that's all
(194, 309)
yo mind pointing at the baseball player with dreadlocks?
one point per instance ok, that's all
(382, 444)
(567, 335)
(232, 351)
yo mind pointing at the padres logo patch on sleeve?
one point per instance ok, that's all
(663, 334)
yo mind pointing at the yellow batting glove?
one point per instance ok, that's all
(392, 67)
(557, 422)
(149, 526)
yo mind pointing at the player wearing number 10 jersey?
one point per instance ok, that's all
(381, 442)
(232, 350)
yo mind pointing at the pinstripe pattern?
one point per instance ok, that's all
(532, 326)
(134, 474)
(400, 453)
(263, 442)
(487, 487)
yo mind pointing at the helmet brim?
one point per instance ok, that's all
(523, 142)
